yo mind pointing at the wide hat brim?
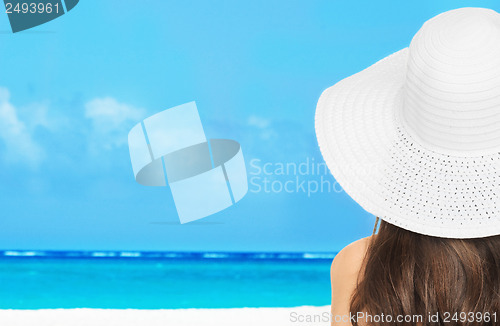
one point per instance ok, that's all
(391, 173)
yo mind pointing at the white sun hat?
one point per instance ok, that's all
(415, 138)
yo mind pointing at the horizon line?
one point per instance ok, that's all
(150, 254)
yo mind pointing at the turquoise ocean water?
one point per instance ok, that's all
(120, 280)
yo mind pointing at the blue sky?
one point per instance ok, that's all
(71, 89)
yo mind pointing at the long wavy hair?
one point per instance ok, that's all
(409, 274)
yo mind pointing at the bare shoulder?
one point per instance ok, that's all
(351, 257)
(344, 275)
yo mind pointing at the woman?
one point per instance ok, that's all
(415, 140)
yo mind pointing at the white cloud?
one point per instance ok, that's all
(15, 135)
(111, 121)
(258, 122)
(37, 115)
(264, 128)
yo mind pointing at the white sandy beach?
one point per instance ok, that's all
(299, 316)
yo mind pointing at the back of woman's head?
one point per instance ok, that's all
(409, 274)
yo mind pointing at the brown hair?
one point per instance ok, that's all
(408, 274)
